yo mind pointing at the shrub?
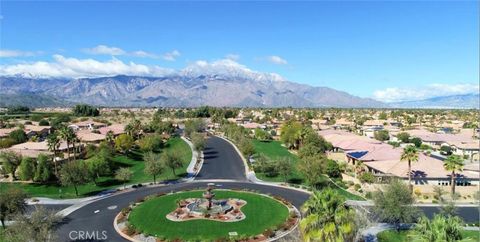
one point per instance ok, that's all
(417, 192)
(357, 187)
(333, 169)
(367, 177)
(426, 197)
(43, 122)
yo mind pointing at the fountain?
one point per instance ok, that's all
(209, 195)
(207, 207)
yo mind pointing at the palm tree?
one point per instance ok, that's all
(74, 139)
(440, 228)
(64, 133)
(53, 143)
(410, 154)
(110, 138)
(453, 163)
(326, 218)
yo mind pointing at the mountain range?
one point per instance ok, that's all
(193, 87)
(187, 88)
(454, 101)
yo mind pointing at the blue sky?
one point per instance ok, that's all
(385, 50)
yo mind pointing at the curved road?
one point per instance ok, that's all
(221, 162)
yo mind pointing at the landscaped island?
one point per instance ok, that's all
(263, 216)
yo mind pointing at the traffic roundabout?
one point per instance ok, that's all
(261, 217)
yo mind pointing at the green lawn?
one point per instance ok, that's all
(261, 213)
(2, 239)
(274, 150)
(402, 236)
(133, 160)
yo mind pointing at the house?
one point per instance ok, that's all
(33, 149)
(39, 131)
(116, 129)
(84, 125)
(5, 132)
(383, 160)
(86, 136)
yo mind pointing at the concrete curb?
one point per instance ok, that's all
(192, 173)
(289, 206)
(250, 174)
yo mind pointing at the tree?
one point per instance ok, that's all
(85, 110)
(110, 138)
(134, 128)
(74, 173)
(453, 163)
(198, 141)
(410, 154)
(43, 122)
(440, 228)
(12, 202)
(333, 169)
(27, 169)
(404, 137)
(445, 150)
(327, 218)
(153, 165)
(53, 143)
(284, 167)
(123, 174)
(261, 134)
(151, 143)
(311, 168)
(172, 160)
(395, 203)
(416, 141)
(367, 177)
(309, 150)
(381, 135)
(98, 165)
(291, 133)
(68, 135)
(194, 125)
(10, 161)
(18, 136)
(382, 116)
(43, 171)
(39, 226)
(124, 143)
(246, 146)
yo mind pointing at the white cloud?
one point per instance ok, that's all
(18, 53)
(233, 57)
(172, 55)
(395, 94)
(144, 54)
(105, 50)
(76, 68)
(277, 60)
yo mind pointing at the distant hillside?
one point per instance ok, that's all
(31, 100)
(455, 101)
(234, 88)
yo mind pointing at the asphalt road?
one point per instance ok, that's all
(101, 223)
(221, 161)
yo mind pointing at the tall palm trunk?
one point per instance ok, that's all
(68, 151)
(453, 184)
(410, 176)
(55, 161)
(74, 151)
